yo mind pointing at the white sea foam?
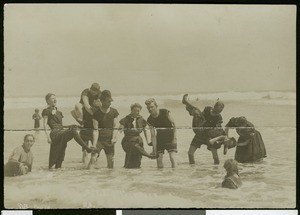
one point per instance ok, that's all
(272, 97)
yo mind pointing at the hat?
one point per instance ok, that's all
(219, 104)
(95, 87)
(241, 121)
(105, 94)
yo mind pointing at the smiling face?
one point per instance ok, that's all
(52, 101)
(28, 143)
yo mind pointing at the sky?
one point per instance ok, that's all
(148, 49)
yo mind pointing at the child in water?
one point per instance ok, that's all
(36, 117)
(232, 179)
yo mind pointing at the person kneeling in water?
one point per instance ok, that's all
(21, 159)
(232, 179)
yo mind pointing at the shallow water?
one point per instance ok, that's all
(268, 184)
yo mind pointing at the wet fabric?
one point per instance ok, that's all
(132, 138)
(133, 156)
(12, 168)
(20, 155)
(232, 182)
(90, 96)
(249, 148)
(106, 122)
(166, 134)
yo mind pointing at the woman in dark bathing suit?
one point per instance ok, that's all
(250, 146)
(132, 143)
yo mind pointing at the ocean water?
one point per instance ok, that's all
(267, 184)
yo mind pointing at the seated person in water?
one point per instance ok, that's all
(132, 143)
(206, 125)
(232, 179)
(250, 145)
(59, 135)
(21, 159)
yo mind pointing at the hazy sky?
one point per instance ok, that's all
(140, 49)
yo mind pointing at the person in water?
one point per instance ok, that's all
(83, 113)
(206, 125)
(232, 179)
(21, 159)
(163, 132)
(250, 145)
(104, 133)
(59, 135)
(132, 143)
(36, 117)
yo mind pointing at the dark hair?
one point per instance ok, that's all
(29, 135)
(47, 97)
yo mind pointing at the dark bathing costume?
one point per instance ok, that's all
(254, 149)
(164, 136)
(132, 137)
(59, 136)
(106, 122)
(206, 121)
(87, 132)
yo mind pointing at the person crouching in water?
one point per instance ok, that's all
(207, 125)
(59, 135)
(132, 143)
(232, 179)
(21, 159)
(163, 132)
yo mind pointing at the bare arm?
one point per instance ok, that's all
(86, 104)
(45, 118)
(174, 128)
(213, 140)
(115, 131)
(146, 133)
(153, 138)
(95, 132)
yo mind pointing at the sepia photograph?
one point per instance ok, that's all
(121, 106)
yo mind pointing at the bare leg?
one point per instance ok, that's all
(215, 156)
(110, 161)
(172, 159)
(84, 155)
(191, 153)
(160, 160)
(77, 113)
(78, 139)
(92, 160)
